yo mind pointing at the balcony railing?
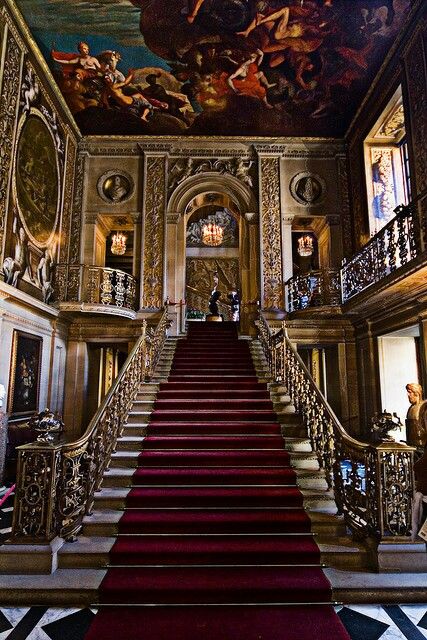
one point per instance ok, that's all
(94, 285)
(56, 482)
(376, 503)
(394, 246)
(314, 289)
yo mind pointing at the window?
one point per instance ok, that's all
(387, 165)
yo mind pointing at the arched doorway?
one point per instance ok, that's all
(211, 260)
(198, 197)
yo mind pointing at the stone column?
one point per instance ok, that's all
(172, 287)
(272, 294)
(288, 267)
(153, 272)
(137, 239)
(335, 241)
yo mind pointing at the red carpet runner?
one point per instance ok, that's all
(214, 516)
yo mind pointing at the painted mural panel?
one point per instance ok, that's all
(37, 180)
(215, 67)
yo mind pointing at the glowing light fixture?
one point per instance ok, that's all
(118, 244)
(212, 234)
(305, 246)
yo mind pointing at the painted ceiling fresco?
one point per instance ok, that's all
(214, 67)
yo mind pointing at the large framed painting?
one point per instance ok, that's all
(25, 367)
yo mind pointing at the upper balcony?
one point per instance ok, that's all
(395, 255)
(93, 289)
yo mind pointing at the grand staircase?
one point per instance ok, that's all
(214, 541)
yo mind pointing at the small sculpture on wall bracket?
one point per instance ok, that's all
(307, 188)
(30, 90)
(115, 187)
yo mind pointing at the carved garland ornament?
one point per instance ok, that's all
(75, 228)
(416, 77)
(154, 233)
(270, 233)
(345, 205)
(8, 104)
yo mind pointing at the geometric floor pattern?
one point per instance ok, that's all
(6, 510)
(363, 622)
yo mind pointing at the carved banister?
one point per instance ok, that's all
(56, 483)
(373, 484)
(394, 246)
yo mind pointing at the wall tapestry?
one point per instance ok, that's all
(215, 67)
(25, 367)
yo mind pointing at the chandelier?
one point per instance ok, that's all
(212, 234)
(118, 244)
(305, 246)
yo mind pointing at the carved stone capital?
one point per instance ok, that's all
(288, 219)
(173, 217)
(251, 217)
(333, 220)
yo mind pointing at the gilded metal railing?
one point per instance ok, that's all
(56, 483)
(394, 246)
(373, 484)
(318, 288)
(94, 285)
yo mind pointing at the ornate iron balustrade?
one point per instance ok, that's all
(56, 483)
(314, 289)
(95, 285)
(394, 246)
(373, 484)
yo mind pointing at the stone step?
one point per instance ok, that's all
(115, 498)
(104, 522)
(86, 553)
(79, 587)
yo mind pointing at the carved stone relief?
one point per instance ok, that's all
(307, 188)
(115, 186)
(417, 87)
(200, 273)
(345, 205)
(183, 168)
(76, 216)
(8, 108)
(154, 232)
(270, 233)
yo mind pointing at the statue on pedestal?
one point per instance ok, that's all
(416, 418)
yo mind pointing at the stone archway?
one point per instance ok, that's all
(222, 189)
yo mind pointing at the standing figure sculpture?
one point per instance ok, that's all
(416, 418)
(15, 268)
(213, 303)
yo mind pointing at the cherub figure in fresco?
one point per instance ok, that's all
(68, 61)
(249, 80)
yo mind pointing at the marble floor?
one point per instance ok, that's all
(364, 622)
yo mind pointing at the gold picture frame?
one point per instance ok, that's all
(25, 370)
